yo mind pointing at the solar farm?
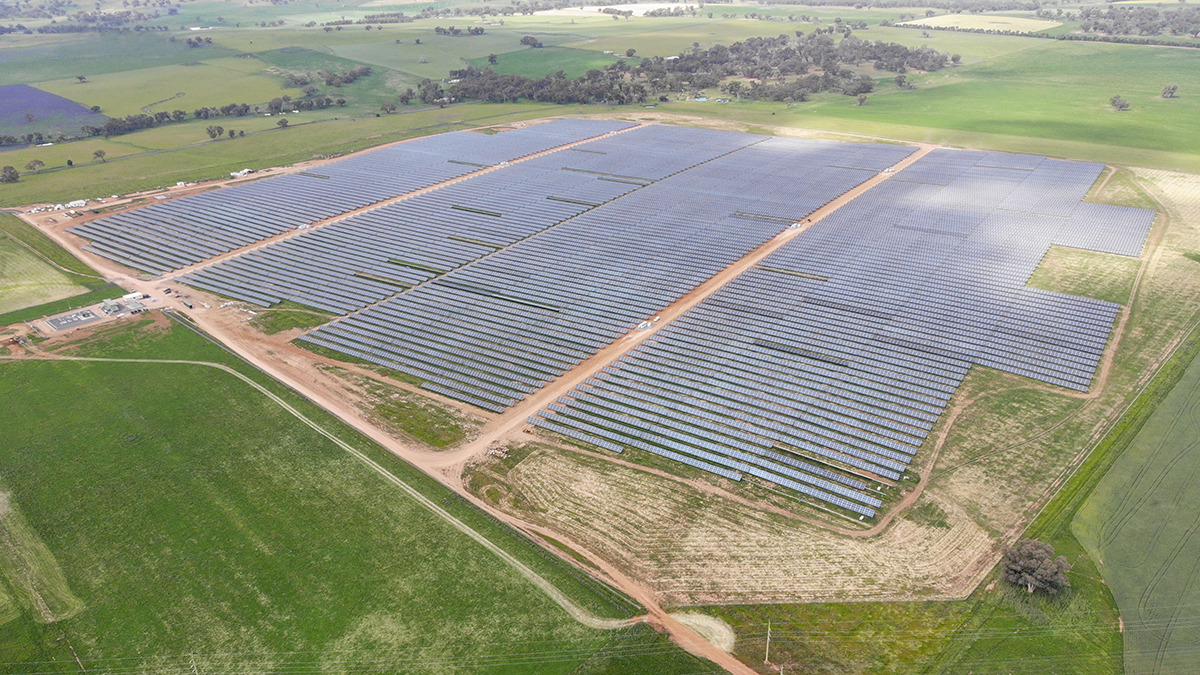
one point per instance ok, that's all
(500, 262)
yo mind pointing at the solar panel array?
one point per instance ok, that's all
(181, 232)
(498, 329)
(366, 258)
(824, 369)
(821, 371)
(363, 259)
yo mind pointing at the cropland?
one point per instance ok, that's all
(770, 376)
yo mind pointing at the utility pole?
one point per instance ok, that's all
(767, 656)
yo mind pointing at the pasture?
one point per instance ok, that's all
(27, 59)
(1045, 98)
(548, 60)
(217, 530)
(207, 82)
(40, 278)
(27, 280)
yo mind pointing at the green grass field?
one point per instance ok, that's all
(1078, 272)
(27, 280)
(548, 60)
(205, 82)
(38, 277)
(216, 529)
(1140, 523)
(40, 58)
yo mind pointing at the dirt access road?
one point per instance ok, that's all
(295, 368)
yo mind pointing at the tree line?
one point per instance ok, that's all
(1142, 20)
(782, 68)
(1080, 37)
(973, 6)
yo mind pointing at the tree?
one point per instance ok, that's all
(35, 164)
(99, 154)
(282, 124)
(492, 59)
(531, 41)
(863, 84)
(1032, 564)
(902, 81)
(95, 108)
(630, 52)
(233, 133)
(1169, 90)
(70, 162)
(1119, 104)
(215, 132)
(955, 58)
(862, 99)
(388, 107)
(81, 78)
(9, 174)
(341, 101)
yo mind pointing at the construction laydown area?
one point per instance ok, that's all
(821, 370)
